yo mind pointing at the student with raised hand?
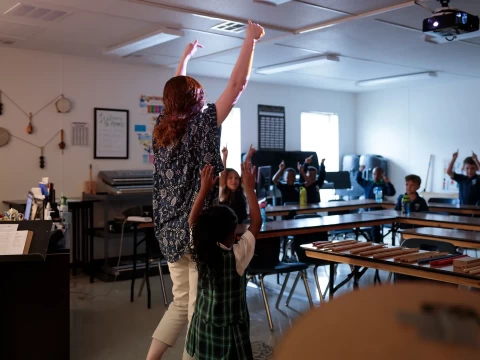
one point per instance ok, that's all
(312, 183)
(288, 186)
(468, 184)
(185, 139)
(220, 326)
(379, 180)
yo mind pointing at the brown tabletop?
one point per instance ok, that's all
(455, 208)
(444, 273)
(468, 239)
(320, 224)
(329, 206)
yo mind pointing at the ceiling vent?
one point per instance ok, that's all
(230, 27)
(272, 2)
(132, 56)
(31, 12)
(17, 30)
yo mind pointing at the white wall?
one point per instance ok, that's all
(32, 79)
(407, 125)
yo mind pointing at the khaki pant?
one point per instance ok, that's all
(184, 277)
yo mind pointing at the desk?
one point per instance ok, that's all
(455, 209)
(467, 239)
(316, 225)
(329, 206)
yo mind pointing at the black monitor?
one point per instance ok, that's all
(340, 179)
(264, 179)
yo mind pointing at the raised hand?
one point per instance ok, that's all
(281, 167)
(248, 158)
(255, 31)
(299, 166)
(323, 161)
(308, 160)
(474, 156)
(207, 181)
(361, 168)
(192, 48)
(385, 178)
(225, 151)
(455, 155)
(248, 176)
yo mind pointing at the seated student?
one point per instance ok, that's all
(312, 184)
(379, 180)
(469, 184)
(417, 203)
(288, 186)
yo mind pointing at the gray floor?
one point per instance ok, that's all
(105, 325)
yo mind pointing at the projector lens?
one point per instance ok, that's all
(433, 23)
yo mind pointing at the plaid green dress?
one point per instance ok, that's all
(220, 326)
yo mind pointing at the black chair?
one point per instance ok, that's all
(266, 262)
(299, 240)
(152, 255)
(336, 233)
(290, 203)
(443, 201)
(427, 245)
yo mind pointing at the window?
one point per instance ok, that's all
(319, 133)
(231, 136)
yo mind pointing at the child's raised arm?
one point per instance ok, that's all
(223, 175)
(248, 180)
(190, 50)
(281, 169)
(452, 163)
(207, 183)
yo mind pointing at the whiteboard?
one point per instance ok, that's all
(111, 134)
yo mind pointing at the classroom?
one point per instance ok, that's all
(254, 179)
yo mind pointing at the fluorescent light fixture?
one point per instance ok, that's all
(297, 64)
(209, 17)
(397, 79)
(144, 42)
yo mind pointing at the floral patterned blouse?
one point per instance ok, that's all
(176, 181)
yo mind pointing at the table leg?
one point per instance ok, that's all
(91, 229)
(134, 271)
(332, 281)
(147, 271)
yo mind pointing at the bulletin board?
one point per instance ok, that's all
(110, 133)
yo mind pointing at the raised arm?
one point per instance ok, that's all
(206, 184)
(189, 51)
(301, 170)
(281, 169)
(240, 74)
(321, 174)
(248, 180)
(452, 163)
(475, 158)
(223, 175)
(360, 180)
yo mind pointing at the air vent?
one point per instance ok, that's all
(132, 56)
(230, 27)
(272, 2)
(6, 41)
(32, 12)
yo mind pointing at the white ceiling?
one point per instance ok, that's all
(386, 43)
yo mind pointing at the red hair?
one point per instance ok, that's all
(183, 97)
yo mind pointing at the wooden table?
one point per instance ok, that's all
(320, 224)
(330, 206)
(467, 239)
(455, 209)
(444, 274)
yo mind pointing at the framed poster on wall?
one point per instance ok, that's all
(271, 127)
(110, 134)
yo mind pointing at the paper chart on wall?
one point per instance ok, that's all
(144, 136)
(79, 134)
(151, 104)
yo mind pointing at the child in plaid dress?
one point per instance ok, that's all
(220, 326)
